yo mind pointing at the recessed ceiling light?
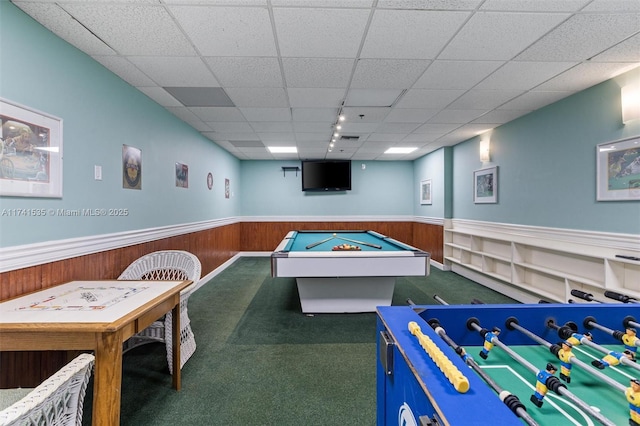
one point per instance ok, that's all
(400, 150)
(283, 149)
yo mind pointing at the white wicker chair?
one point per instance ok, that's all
(167, 265)
(58, 401)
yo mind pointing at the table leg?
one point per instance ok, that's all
(175, 318)
(107, 379)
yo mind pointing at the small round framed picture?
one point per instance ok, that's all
(210, 180)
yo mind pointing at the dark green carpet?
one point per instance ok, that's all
(260, 361)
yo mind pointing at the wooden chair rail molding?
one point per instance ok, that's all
(212, 246)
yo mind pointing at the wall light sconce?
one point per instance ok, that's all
(630, 97)
(485, 150)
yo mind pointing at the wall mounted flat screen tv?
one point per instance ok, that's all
(326, 175)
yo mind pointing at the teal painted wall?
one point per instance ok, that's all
(382, 188)
(547, 165)
(546, 159)
(432, 166)
(100, 113)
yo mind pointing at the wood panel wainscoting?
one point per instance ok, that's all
(213, 247)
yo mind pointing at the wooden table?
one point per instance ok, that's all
(97, 316)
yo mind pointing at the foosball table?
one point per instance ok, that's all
(478, 364)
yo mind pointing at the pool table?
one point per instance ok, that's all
(340, 281)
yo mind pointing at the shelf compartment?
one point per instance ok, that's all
(540, 282)
(463, 240)
(624, 276)
(497, 268)
(499, 249)
(563, 264)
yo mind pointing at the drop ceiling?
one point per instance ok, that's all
(251, 74)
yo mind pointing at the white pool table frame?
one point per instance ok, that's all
(345, 281)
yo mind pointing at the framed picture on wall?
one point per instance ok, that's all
(131, 167)
(30, 152)
(618, 170)
(182, 175)
(425, 191)
(485, 185)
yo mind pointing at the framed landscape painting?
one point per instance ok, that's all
(425, 191)
(485, 185)
(618, 170)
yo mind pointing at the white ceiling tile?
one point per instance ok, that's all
(523, 75)
(410, 115)
(319, 33)
(358, 127)
(420, 138)
(365, 114)
(499, 36)
(312, 137)
(200, 126)
(175, 71)
(628, 50)
(455, 74)
(438, 128)
(499, 116)
(184, 113)
(237, 136)
(428, 99)
(227, 31)
(372, 97)
(387, 73)
(456, 116)
(245, 71)
(583, 36)
(266, 114)
(125, 70)
(161, 96)
(430, 4)
(53, 17)
(584, 75)
(257, 97)
(313, 127)
(484, 99)
(271, 127)
(216, 114)
(213, 2)
(613, 6)
(316, 72)
(323, 3)
(386, 137)
(533, 5)
(142, 29)
(410, 34)
(404, 128)
(534, 99)
(315, 114)
(277, 137)
(231, 127)
(315, 98)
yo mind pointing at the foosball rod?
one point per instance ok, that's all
(554, 385)
(512, 324)
(590, 323)
(620, 297)
(565, 332)
(510, 400)
(585, 296)
(440, 300)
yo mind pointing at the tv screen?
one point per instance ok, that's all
(326, 175)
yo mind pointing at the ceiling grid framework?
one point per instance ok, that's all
(253, 74)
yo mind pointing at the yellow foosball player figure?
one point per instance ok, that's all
(576, 338)
(633, 396)
(565, 355)
(612, 358)
(541, 384)
(630, 340)
(488, 341)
